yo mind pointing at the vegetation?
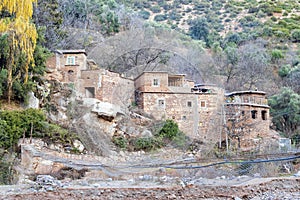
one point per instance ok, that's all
(18, 39)
(169, 133)
(251, 44)
(285, 109)
(29, 123)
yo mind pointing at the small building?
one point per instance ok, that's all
(247, 118)
(72, 67)
(167, 96)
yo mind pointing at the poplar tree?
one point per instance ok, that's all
(21, 34)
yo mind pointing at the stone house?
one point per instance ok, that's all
(202, 111)
(73, 68)
(247, 118)
(193, 107)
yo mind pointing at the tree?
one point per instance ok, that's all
(21, 36)
(48, 16)
(292, 80)
(199, 29)
(285, 111)
(253, 66)
(295, 35)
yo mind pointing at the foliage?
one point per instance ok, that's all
(31, 122)
(295, 35)
(169, 130)
(48, 17)
(276, 55)
(7, 161)
(168, 133)
(285, 111)
(19, 38)
(199, 29)
(120, 141)
(147, 144)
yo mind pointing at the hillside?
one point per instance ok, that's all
(223, 16)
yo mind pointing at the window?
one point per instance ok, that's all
(70, 60)
(161, 103)
(189, 104)
(90, 92)
(184, 117)
(264, 115)
(254, 114)
(71, 76)
(202, 104)
(243, 113)
(155, 82)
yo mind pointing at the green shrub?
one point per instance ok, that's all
(14, 124)
(159, 18)
(144, 14)
(155, 9)
(120, 142)
(147, 144)
(169, 130)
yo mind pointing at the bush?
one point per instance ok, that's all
(159, 18)
(144, 14)
(14, 124)
(155, 9)
(169, 130)
(147, 144)
(120, 142)
(168, 133)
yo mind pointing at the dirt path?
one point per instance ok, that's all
(275, 188)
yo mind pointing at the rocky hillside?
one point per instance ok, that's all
(223, 16)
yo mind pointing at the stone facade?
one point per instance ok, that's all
(202, 111)
(89, 81)
(168, 96)
(247, 118)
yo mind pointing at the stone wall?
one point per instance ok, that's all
(247, 119)
(180, 108)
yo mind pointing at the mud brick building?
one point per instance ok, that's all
(204, 112)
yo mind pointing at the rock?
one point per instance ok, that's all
(297, 174)
(47, 182)
(146, 133)
(106, 109)
(33, 102)
(78, 145)
(146, 177)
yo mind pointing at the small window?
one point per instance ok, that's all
(202, 104)
(173, 117)
(264, 115)
(254, 114)
(189, 104)
(155, 82)
(161, 103)
(243, 113)
(70, 60)
(184, 117)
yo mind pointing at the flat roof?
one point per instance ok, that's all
(245, 92)
(72, 51)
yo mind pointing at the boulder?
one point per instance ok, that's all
(33, 102)
(106, 109)
(78, 145)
